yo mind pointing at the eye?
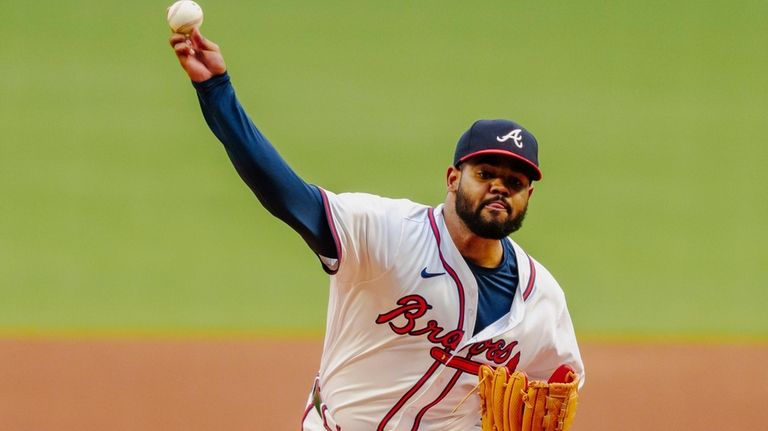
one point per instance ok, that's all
(483, 174)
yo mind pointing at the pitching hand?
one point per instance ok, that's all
(199, 57)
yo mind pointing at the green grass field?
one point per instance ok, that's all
(119, 210)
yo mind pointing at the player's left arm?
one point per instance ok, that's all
(567, 347)
(561, 347)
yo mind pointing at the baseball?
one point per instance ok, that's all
(184, 15)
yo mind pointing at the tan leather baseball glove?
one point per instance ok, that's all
(509, 402)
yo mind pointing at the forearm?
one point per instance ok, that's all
(279, 189)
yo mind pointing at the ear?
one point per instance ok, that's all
(452, 177)
(530, 191)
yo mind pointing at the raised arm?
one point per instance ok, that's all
(279, 189)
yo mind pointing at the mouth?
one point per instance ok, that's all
(498, 205)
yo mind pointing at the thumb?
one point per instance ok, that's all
(202, 42)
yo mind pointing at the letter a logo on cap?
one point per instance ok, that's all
(515, 134)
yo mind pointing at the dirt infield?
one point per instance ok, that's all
(68, 385)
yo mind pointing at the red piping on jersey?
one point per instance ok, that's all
(408, 395)
(442, 395)
(531, 279)
(325, 420)
(306, 413)
(448, 268)
(322, 410)
(315, 386)
(311, 405)
(460, 326)
(332, 225)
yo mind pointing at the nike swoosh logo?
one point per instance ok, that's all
(425, 274)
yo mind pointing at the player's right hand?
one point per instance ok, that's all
(198, 56)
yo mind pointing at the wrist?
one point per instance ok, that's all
(212, 82)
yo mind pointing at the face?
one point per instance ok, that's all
(492, 196)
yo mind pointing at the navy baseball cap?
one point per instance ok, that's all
(502, 137)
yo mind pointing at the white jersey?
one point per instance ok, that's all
(399, 352)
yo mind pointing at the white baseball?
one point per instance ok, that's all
(184, 15)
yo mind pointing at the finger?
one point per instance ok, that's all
(183, 48)
(176, 38)
(188, 60)
(202, 42)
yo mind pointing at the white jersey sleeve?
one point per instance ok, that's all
(368, 232)
(562, 347)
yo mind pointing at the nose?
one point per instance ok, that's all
(499, 188)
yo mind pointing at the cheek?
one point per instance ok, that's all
(520, 200)
(468, 189)
(468, 198)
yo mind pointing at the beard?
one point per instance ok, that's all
(490, 228)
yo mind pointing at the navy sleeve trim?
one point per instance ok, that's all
(214, 81)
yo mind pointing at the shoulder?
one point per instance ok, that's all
(544, 284)
(546, 280)
(369, 231)
(373, 205)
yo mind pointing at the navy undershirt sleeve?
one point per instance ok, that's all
(279, 189)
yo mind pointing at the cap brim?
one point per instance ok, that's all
(535, 172)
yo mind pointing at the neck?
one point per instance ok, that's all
(483, 252)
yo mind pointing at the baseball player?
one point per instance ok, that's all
(420, 296)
